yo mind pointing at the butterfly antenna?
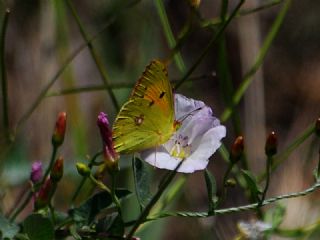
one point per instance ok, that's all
(189, 114)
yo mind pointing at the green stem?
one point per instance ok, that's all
(225, 178)
(22, 206)
(207, 48)
(83, 180)
(164, 184)
(247, 79)
(216, 21)
(253, 206)
(268, 170)
(113, 193)
(169, 35)
(94, 55)
(51, 209)
(99, 184)
(53, 157)
(4, 83)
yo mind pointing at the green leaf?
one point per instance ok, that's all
(275, 215)
(112, 225)
(212, 190)
(7, 229)
(38, 227)
(86, 212)
(142, 181)
(252, 185)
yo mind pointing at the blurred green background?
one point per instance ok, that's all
(283, 96)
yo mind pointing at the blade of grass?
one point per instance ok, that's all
(94, 55)
(4, 83)
(209, 45)
(259, 60)
(169, 35)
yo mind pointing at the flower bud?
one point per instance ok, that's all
(271, 144)
(237, 149)
(231, 182)
(318, 127)
(111, 157)
(57, 170)
(60, 129)
(36, 172)
(83, 169)
(44, 195)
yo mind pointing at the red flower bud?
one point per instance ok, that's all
(111, 157)
(237, 149)
(57, 170)
(44, 195)
(271, 144)
(60, 129)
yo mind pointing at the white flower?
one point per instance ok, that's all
(195, 141)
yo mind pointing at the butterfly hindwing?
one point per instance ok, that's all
(147, 119)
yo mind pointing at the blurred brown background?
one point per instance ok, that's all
(283, 97)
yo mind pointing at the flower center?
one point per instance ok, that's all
(178, 147)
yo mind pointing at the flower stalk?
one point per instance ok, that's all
(270, 150)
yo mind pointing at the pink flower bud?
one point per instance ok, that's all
(57, 170)
(36, 172)
(60, 129)
(111, 157)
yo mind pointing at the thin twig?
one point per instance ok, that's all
(94, 55)
(4, 83)
(209, 45)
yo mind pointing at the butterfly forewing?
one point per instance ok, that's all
(147, 119)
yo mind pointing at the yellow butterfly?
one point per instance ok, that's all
(147, 119)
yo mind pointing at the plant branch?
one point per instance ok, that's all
(253, 206)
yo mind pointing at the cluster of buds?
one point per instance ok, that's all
(48, 186)
(46, 191)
